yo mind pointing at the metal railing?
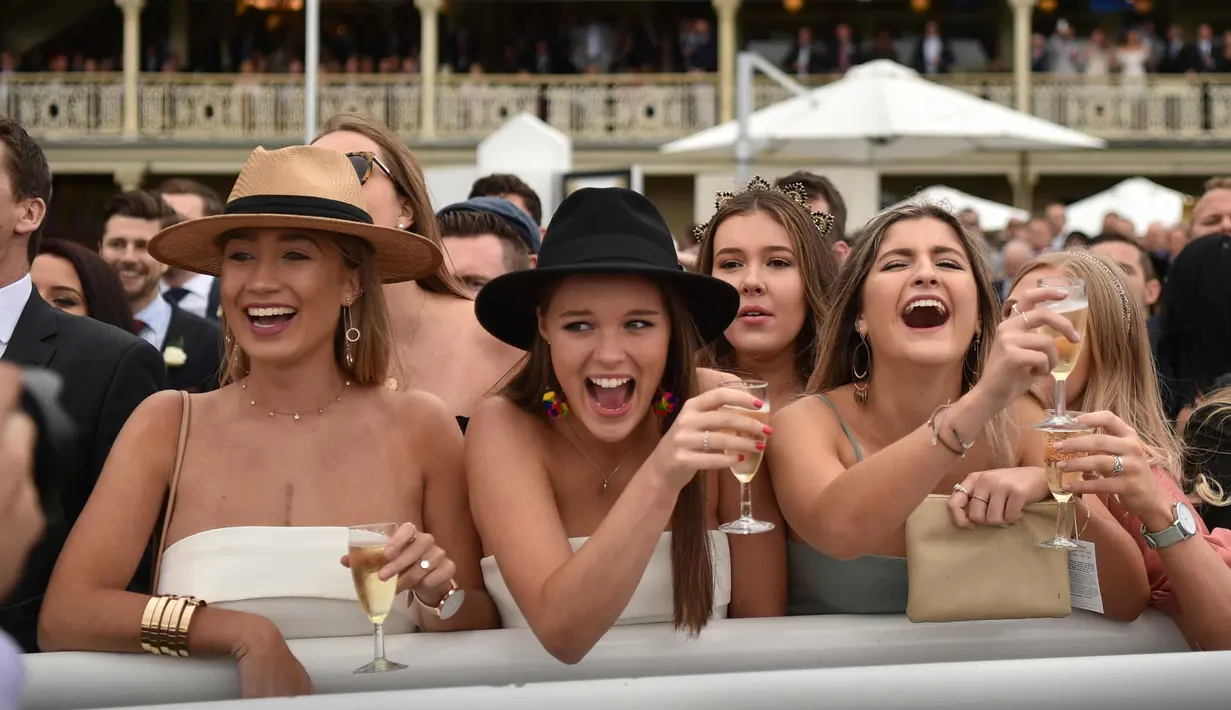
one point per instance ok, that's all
(636, 109)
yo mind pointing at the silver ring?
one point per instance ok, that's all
(705, 442)
(424, 564)
(1023, 315)
(959, 488)
(1119, 467)
(982, 500)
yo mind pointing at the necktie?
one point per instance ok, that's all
(175, 295)
(139, 326)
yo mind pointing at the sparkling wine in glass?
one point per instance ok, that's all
(1076, 309)
(366, 550)
(745, 470)
(1056, 479)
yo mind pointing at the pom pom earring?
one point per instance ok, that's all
(665, 403)
(555, 404)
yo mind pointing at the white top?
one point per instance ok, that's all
(289, 575)
(652, 603)
(13, 300)
(12, 676)
(1133, 62)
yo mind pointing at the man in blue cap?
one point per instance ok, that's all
(486, 237)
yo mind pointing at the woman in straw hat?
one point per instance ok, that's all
(264, 475)
(591, 453)
(439, 345)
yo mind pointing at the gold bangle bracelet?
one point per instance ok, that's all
(172, 632)
(190, 608)
(147, 619)
(162, 633)
(151, 631)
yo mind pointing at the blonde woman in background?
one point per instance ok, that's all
(1136, 461)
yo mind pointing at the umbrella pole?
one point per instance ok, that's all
(743, 98)
(312, 65)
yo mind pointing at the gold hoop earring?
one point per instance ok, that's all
(352, 336)
(861, 382)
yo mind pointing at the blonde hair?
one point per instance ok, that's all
(407, 176)
(836, 359)
(371, 353)
(1123, 379)
(1210, 423)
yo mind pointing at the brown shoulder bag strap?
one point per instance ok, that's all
(175, 482)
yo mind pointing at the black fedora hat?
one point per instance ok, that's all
(602, 231)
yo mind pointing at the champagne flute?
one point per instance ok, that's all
(1056, 479)
(746, 469)
(366, 550)
(1076, 309)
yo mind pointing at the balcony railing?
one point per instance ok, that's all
(637, 109)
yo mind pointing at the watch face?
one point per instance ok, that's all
(1185, 518)
(452, 603)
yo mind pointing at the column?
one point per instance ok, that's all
(429, 51)
(132, 63)
(1022, 30)
(727, 10)
(1023, 89)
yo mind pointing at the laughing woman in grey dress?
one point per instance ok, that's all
(917, 385)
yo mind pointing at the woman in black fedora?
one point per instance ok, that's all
(249, 491)
(584, 470)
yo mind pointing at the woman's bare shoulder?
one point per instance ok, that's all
(499, 414)
(809, 411)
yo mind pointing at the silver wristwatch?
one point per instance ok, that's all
(1184, 527)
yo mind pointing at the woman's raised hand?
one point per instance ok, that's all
(422, 565)
(709, 435)
(1021, 353)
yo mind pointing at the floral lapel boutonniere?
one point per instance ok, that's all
(174, 354)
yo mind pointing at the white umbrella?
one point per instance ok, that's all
(1138, 200)
(882, 111)
(993, 216)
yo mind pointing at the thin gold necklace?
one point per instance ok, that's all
(576, 441)
(295, 415)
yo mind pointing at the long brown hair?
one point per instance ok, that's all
(839, 340)
(373, 350)
(817, 269)
(691, 567)
(408, 177)
(1122, 379)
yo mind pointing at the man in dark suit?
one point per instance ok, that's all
(106, 372)
(191, 345)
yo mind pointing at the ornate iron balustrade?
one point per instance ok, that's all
(638, 109)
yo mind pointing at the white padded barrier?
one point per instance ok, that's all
(63, 681)
(1143, 682)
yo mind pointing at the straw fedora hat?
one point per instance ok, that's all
(301, 187)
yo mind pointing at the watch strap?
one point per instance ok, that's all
(1167, 536)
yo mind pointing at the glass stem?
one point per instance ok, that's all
(379, 642)
(1060, 520)
(745, 500)
(1059, 403)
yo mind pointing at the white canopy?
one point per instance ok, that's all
(882, 111)
(1138, 200)
(993, 216)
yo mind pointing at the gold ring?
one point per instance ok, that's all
(985, 501)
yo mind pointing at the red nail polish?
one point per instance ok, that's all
(741, 457)
(760, 446)
(768, 430)
(758, 403)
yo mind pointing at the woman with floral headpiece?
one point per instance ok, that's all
(767, 243)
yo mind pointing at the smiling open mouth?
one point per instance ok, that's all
(610, 395)
(270, 317)
(925, 313)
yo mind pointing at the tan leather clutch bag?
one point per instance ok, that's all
(985, 573)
